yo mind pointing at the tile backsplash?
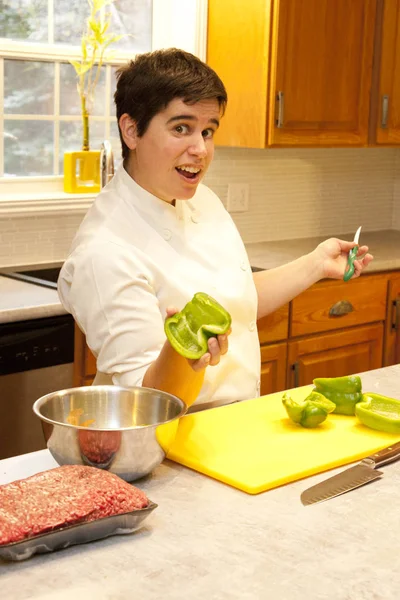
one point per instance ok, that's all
(300, 192)
(293, 194)
(396, 194)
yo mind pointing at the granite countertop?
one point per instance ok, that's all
(21, 301)
(384, 245)
(208, 540)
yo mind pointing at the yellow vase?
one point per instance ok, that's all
(82, 172)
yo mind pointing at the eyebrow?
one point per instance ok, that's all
(189, 118)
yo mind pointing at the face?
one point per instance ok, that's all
(173, 155)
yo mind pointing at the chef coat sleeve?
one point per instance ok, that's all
(110, 293)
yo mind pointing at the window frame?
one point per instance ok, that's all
(178, 23)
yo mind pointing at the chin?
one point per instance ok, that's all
(186, 194)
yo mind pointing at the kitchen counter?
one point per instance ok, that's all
(21, 301)
(208, 540)
(384, 245)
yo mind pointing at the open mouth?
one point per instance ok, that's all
(191, 174)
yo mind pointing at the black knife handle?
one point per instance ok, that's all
(387, 455)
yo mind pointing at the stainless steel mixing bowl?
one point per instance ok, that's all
(127, 431)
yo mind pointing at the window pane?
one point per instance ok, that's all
(133, 17)
(28, 87)
(24, 20)
(113, 86)
(70, 20)
(28, 148)
(71, 137)
(69, 97)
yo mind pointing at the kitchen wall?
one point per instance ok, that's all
(293, 193)
(396, 195)
(301, 193)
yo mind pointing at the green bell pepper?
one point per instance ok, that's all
(189, 330)
(379, 412)
(309, 412)
(345, 392)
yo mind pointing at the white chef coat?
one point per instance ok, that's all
(133, 256)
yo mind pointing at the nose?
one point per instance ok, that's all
(198, 147)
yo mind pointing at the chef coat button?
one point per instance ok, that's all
(252, 326)
(195, 217)
(243, 265)
(167, 234)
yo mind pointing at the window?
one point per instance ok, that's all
(39, 104)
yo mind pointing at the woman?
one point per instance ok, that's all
(155, 236)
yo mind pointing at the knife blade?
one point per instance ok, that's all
(352, 477)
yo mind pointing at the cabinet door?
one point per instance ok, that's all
(321, 69)
(392, 333)
(335, 355)
(273, 368)
(238, 50)
(388, 126)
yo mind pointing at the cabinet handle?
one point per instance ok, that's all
(281, 108)
(385, 111)
(295, 368)
(396, 319)
(341, 308)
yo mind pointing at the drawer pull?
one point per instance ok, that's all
(343, 307)
(280, 98)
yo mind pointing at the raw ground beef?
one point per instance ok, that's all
(63, 496)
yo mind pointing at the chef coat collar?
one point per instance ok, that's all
(144, 200)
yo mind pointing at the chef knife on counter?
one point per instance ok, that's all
(351, 478)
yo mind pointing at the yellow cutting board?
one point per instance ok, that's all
(253, 446)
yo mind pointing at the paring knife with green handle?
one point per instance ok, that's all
(351, 478)
(349, 271)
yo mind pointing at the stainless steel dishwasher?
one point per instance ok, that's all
(36, 358)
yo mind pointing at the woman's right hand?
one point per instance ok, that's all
(217, 347)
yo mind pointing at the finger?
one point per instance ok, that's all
(213, 348)
(201, 363)
(346, 246)
(357, 269)
(171, 310)
(223, 344)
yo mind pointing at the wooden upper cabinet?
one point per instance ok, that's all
(388, 102)
(238, 50)
(321, 71)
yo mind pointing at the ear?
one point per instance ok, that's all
(128, 131)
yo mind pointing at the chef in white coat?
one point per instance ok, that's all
(155, 236)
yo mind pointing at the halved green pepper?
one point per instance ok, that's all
(189, 330)
(345, 392)
(379, 412)
(309, 412)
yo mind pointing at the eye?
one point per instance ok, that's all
(208, 133)
(182, 129)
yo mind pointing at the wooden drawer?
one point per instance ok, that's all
(274, 327)
(362, 300)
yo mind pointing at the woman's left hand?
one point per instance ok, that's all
(332, 254)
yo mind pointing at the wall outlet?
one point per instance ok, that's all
(238, 197)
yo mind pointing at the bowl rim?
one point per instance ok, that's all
(40, 401)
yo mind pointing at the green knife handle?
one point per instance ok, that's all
(349, 272)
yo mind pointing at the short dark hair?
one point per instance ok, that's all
(146, 85)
